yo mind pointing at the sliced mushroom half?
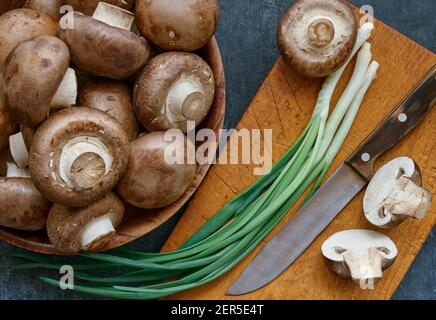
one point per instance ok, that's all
(316, 37)
(151, 180)
(72, 230)
(395, 194)
(36, 77)
(174, 88)
(359, 255)
(105, 46)
(78, 155)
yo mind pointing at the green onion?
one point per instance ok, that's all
(235, 230)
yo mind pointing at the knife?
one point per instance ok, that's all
(280, 252)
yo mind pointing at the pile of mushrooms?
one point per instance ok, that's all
(84, 111)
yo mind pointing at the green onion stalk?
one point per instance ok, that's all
(235, 230)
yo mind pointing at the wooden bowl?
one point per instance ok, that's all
(138, 222)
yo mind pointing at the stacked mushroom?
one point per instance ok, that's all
(83, 113)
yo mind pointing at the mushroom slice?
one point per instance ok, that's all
(78, 155)
(88, 7)
(174, 88)
(316, 37)
(51, 7)
(14, 172)
(114, 16)
(72, 230)
(20, 25)
(32, 75)
(22, 206)
(66, 94)
(177, 25)
(103, 50)
(19, 151)
(114, 98)
(151, 181)
(395, 193)
(359, 255)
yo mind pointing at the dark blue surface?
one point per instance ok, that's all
(247, 39)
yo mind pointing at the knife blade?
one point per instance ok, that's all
(281, 251)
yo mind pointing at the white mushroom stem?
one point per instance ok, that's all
(364, 265)
(19, 150)
(185, 99)
(114, 16)
(66, 94)
(96, 230)
(407, 199)
(14, 172)
(74, 149)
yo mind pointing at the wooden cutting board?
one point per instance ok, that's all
(284, 103)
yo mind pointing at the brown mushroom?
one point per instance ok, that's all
(150, 180)
(177, 25)
(316, 37)
(28, 134)
(105, 50)
(7, 125)
(173, 88)
(20, 25)
(114, 98)
(88, 7)
(51, 7)
(36, 77)
(72, 230)
(78, 155)
(22, 206)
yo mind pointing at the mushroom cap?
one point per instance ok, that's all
(177, 25)
(65, 225)
(32, 74)
(20, 25)
(22, 207)
(150, 181)
(51, 7)
(334, 248)
(387, 180)
(28, 134)
(7, 126)
(114, 98)
(51, 152)
(103, 50)
(88, 7)
(316, 37)
(156, 81)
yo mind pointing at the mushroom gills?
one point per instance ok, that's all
(185, 99)
(97, 231)
(84, 161)
(66, 94)
(14, 172)
(19, 151)
(114, 16)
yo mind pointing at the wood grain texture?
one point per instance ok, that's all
(284, 103)
(138, 222)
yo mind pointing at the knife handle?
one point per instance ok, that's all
(396, 126)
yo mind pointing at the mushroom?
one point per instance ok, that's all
(22, 206)
(88, 7)
(36, 77)
(102, 49)
(20, 25)
(114, 98)
(19, 150)
(173, 88)
(78, 155)
(359, 255)
(395, 194)
(27, 134)
(177, 25)
(72, 230)
(51, 7)
(151, 181)
(7, 126)
(316, 37)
